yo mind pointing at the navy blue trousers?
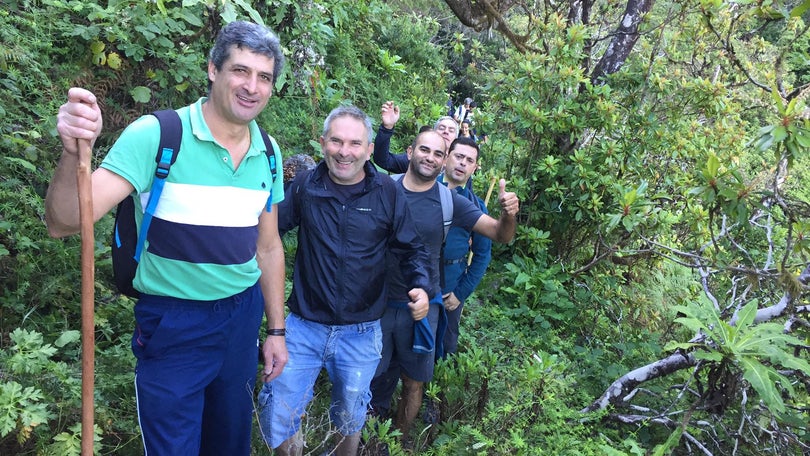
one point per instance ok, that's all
(195, 373)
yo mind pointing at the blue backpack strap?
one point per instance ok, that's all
(171, 133)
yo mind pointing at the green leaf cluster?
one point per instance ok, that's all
(757, 350)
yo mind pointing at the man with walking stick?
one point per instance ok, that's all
(213, 259)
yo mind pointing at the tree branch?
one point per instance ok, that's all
(626, 383)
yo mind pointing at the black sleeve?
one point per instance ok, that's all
(395, 164)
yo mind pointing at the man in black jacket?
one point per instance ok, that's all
(349, 218)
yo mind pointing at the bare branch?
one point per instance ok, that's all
(732, 53)
(627, 382)
(483, 14)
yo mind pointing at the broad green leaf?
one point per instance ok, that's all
(692, 323)
(191, 18)
(723, 333)
(747, 314)
(672, 442)
(758, 376)
(254, 15)
(709, 356)
(228, 13)
(114, 60)
(24, 163)
(764, 142)
(97, 47)
(68, 337)
(791, 106)
(800, 9)
(712, 165)
(141, 94)
(777, 100)
(763, 338)
(792, 362)
(802, 137)
(779, 133)
(672, 346)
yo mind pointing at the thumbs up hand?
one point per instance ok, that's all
(509, 200)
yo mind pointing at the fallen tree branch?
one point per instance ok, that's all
(629, 381)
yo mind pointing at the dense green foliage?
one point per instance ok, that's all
(665, 212)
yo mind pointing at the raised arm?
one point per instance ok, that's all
(79, 119)
(395, 164)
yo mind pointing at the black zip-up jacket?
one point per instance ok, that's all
(339, 272)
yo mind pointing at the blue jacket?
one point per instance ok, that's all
(458, 277)
(339, 272)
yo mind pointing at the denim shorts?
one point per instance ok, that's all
(349, 353)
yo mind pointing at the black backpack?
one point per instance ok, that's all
(127, 242)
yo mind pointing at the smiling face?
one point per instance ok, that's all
(448, 129)
(346, 149)
(241, 88)
(461, 162)
(427, 156)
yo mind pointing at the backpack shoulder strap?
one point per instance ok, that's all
(171, 134)
(446, 196)
(271, 149)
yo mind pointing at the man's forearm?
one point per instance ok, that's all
(61, 200)
(272, 283)
(506, 228)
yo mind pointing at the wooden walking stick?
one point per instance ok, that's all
(88, 297)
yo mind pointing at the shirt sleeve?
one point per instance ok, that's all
(482, 254)
(395, 164)
(133, 154)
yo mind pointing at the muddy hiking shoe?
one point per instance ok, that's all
(432, 414)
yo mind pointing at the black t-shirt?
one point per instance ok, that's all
(426, 209)
(343, 193)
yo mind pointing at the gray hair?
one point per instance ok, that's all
(436, 125)
(253, 37)
(350, 111)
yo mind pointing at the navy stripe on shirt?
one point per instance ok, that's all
(202, 244)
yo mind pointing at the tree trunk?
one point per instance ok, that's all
(624, 39)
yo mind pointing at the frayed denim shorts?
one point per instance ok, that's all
(349, 353)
